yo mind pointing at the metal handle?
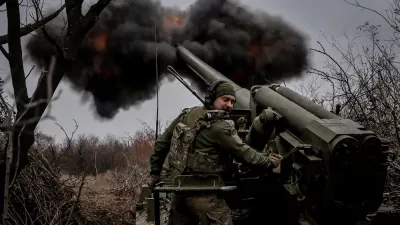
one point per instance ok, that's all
(193, 189)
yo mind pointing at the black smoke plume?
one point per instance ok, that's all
(116, 62)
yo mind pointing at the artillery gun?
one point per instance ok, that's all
(333, 171)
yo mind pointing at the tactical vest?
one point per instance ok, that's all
(182, 157)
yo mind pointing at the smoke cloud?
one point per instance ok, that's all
(117, 61)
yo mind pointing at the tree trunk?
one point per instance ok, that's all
(23, 136)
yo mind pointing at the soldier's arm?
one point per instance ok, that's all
(161, 149)
(229, 140)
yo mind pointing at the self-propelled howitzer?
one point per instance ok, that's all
(333, 171)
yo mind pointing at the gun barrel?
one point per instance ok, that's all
(209, 75)
(305, 103)
(296, 116)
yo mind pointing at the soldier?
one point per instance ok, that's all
(201, 142)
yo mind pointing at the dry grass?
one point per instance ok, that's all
(83, 181)
(110, 197)
(38, 196)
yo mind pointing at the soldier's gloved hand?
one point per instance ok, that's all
(154, 179)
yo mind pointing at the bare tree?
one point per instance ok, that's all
(366, 78)
(30, 109)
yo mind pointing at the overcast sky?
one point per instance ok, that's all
(312, 17)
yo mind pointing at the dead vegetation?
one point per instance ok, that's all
(85, 180)
(39, 197)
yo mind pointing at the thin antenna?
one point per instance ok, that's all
(155, 42)
(179, 78)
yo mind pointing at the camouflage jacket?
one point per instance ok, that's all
(220, 138)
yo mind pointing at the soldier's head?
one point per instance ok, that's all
(220, 95)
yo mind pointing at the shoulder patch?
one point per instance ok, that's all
(230, 122)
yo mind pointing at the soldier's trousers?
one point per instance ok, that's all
(201, 209)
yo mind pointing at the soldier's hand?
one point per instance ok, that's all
(154, 179)
(276, 158)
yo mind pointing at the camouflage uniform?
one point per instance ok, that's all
(212, 150)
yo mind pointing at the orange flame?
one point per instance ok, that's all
(100, 42)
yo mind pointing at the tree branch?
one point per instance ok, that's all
(15, 55)
(79, 25)
(4, 39)
(93, 14)
(5, 53)
(357, 4)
